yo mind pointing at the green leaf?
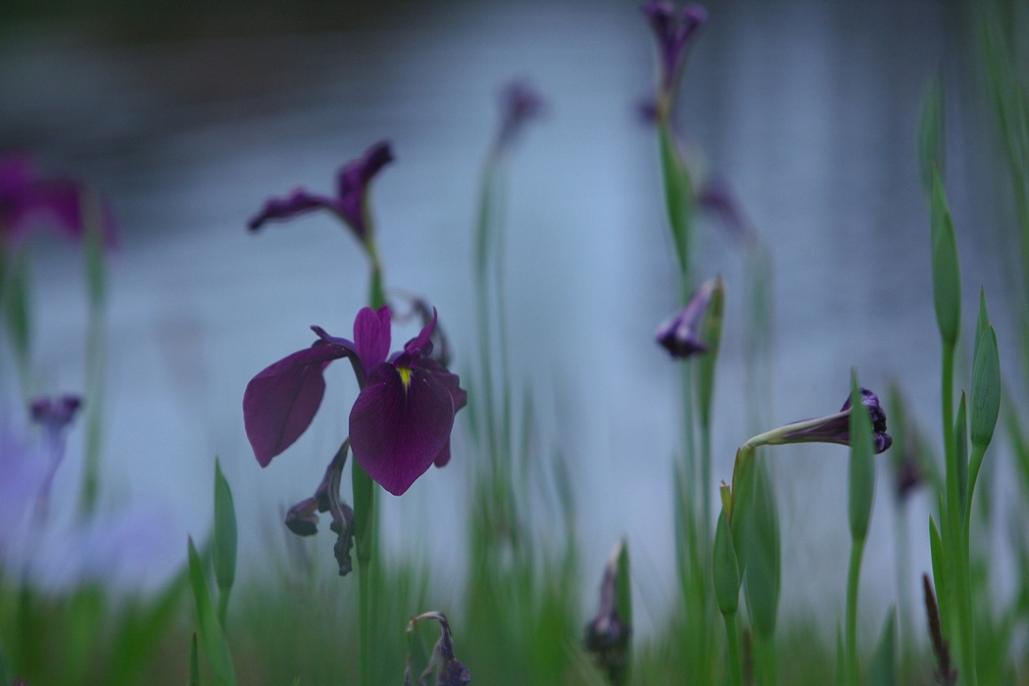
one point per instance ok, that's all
(711, 335)
(763, 569)
(211, 636)
(883, 669)
(961, 445)
(224, 551)
(861, 473)
(726, 569)
(931, 148)
(96, 279)
(677, 195)
(194, 663)
(939, 565)
(946, 272)
(17, 312)
(986, 381)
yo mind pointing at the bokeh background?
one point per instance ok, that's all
(186, 119)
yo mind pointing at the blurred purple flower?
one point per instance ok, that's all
(28, 201)
(349, 203)
(715, 197)
(680, 333)
(674, 30)
(402, 418)
(54, 414)
(907, 476)
(520, 103)
(836, 427)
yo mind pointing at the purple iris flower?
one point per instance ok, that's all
(674, 30)
(402, 418)
(449, 670)
(349, 203)
(680, 333)
(29, 200)
(519, 104)
(836, 427)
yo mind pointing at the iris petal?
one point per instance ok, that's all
(372, 336)
(396, 432)
(296, 203)
(280, 402)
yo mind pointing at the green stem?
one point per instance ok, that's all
(955, 539)
(734, 666)
(223, 607)
(364, 515)
(764, 661)
(857, 550)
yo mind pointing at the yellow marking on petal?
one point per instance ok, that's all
(405, 376)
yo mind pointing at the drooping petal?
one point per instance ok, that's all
(398, 427)
(352, 183)
(835, 428)
(280, 402)
(296, 203)
(372, 336)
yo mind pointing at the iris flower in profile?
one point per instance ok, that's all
(675, 30)
(520, 103)
(834, 428)
(680, 333)
(349, 203)
(400, 423)
(448, 669)
(30, 201)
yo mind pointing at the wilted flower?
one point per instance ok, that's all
(834, 428)
(680, 334)
(349, 203)
(29, 200)
(674, 29)
(449, 670)
(519, 104)
(402, 418)
(302, 518)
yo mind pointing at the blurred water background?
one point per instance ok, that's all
(188, 120)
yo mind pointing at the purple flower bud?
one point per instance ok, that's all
(836, 427)
(674, 31)
(519, 104)
(28, 201)
(680, 333)
(908, 476)
(349, 203)
(607, 634)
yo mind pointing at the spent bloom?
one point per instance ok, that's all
(29, 200)
(400, 423)
(449, 670)
(680, 333)
(675, 29)
(834, 428)
(349, 203)
(520, 103)
(608, 633)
